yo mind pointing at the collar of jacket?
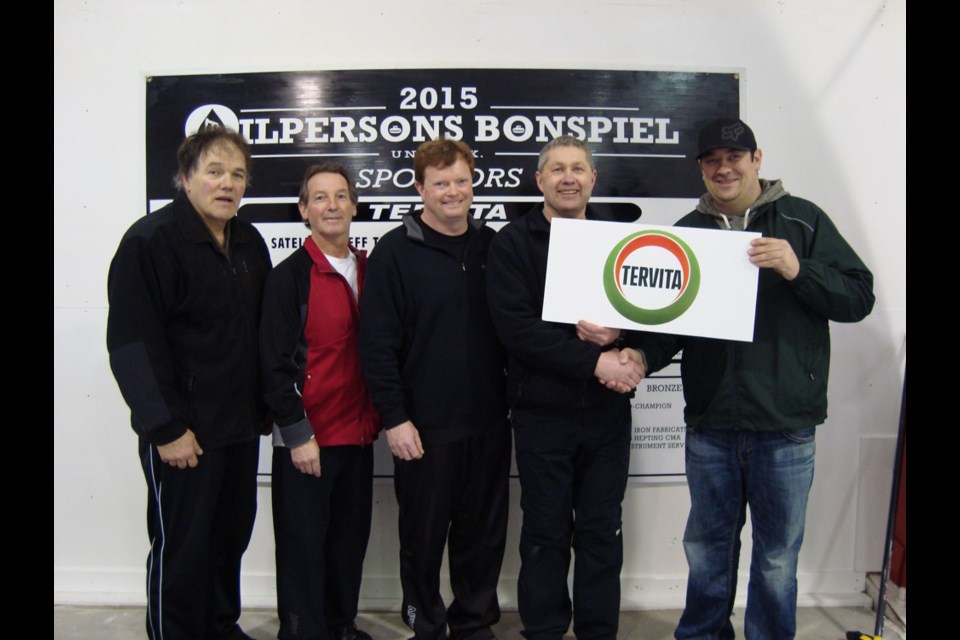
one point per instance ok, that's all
(320, 258)
(538, 222)
(194, 229)
(411, 224)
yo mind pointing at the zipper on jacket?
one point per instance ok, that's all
(229, 254)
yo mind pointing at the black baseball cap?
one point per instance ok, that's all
(726, 133)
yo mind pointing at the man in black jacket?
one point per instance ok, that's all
(434, 368)
(184, 290)
(571, 417)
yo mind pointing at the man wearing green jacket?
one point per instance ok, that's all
(752, 407)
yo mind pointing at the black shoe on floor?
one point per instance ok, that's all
(238, 634)
(348, 632)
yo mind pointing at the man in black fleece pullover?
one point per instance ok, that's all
(435, 371)
(184, 290)
(568, 385)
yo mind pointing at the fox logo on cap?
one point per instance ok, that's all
(732, 132)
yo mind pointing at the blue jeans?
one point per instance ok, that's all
(726, 471)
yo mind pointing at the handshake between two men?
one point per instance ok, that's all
(618, 369)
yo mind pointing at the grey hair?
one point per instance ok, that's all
(564, 141)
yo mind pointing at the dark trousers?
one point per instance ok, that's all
(457, 494)
(199, 521)
(321, 526)
(573, 474)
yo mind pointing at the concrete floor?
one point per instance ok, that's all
(115, 623)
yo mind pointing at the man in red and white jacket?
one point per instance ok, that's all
(324, 422)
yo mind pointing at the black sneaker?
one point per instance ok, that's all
(348, 632)
(238, 634)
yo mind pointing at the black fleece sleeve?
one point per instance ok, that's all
(141, 287)
(282, 359)
(382, 312)
(513, 292)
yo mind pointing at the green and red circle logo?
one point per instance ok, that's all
(651, 277)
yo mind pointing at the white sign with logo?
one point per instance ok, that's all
(696, 282)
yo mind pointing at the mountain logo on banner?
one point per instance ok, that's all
(651, 277)
(211, 115)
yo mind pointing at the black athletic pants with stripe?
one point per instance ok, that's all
(199, 521)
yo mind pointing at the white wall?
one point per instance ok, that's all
(825, 93)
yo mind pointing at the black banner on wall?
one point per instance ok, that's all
(641, 126)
